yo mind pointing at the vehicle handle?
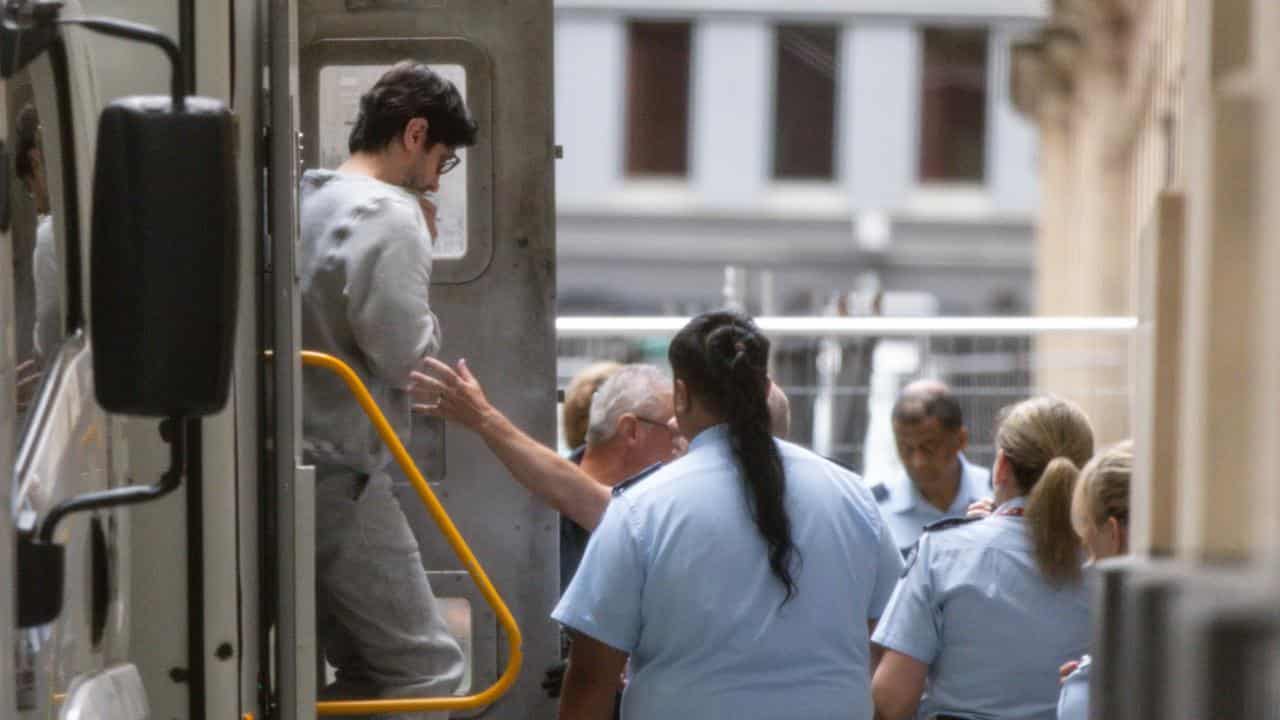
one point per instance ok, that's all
(459, 545)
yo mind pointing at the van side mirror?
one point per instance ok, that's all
(164, 256)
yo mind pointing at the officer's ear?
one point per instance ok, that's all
(1119, 534)
(680, 397)
(1001, 473)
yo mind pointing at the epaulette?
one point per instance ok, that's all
(950, 522)
(909, 554)
(841, 463)
(622, 486)
(880, 492)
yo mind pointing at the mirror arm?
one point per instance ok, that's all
(174, 431)
(143, 34)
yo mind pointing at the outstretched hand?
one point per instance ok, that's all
(981, 508)
(452, 393)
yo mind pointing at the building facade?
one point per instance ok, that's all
(818, 147)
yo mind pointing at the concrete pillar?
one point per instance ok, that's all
(1223, 369)
(1157, 367)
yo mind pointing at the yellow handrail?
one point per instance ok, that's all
(437, 511)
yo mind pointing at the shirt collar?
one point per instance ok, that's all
(713, 434)
(1018, 502)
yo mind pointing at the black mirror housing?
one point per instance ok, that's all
(164, 257)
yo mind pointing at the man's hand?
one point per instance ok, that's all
(981, 508)
(450, 393)
(1066, 669)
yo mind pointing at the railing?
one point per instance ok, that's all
(454, 538)
(843, 374)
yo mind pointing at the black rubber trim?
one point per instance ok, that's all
(70, 189)
(195, 570)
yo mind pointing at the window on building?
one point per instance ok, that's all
(804, 115)
(953, 107)
(658, 98)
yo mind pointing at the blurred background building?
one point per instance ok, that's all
(798, 157)
(819, 147)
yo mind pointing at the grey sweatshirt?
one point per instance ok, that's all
(364, 271)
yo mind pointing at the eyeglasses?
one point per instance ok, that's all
(648, 421)
(448, 163)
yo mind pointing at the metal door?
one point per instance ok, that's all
(493, 285)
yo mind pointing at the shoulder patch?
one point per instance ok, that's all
(622, 486)
(946, 523)
(880, 492)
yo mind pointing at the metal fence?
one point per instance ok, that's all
(842, 375)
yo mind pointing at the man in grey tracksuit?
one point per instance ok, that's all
(365, 270)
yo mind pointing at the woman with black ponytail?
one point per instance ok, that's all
(740, 580)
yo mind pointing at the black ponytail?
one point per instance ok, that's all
(723, 359)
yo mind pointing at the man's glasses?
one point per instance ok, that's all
(448, 163)
(649, 421)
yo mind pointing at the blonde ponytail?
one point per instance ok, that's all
(1048, 514)
(1045, 440)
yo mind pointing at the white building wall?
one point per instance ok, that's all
(880, 116)
(1012, 139)
(590, 104)
(732, 110)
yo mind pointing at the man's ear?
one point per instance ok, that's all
(415, 134)
(962, 439)
(628, 426)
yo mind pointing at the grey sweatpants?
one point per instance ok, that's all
(378, 621)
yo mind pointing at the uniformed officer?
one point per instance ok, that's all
(1100, 514)
(936, 480)
(989, 609)
(739, 579)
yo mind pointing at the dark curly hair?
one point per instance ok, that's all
(411, 90)
(723, 359)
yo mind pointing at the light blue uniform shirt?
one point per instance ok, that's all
(1073, 703)
(975, 608)
(906, 511)
(677, 576)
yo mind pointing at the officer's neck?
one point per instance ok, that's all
(943, 494)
